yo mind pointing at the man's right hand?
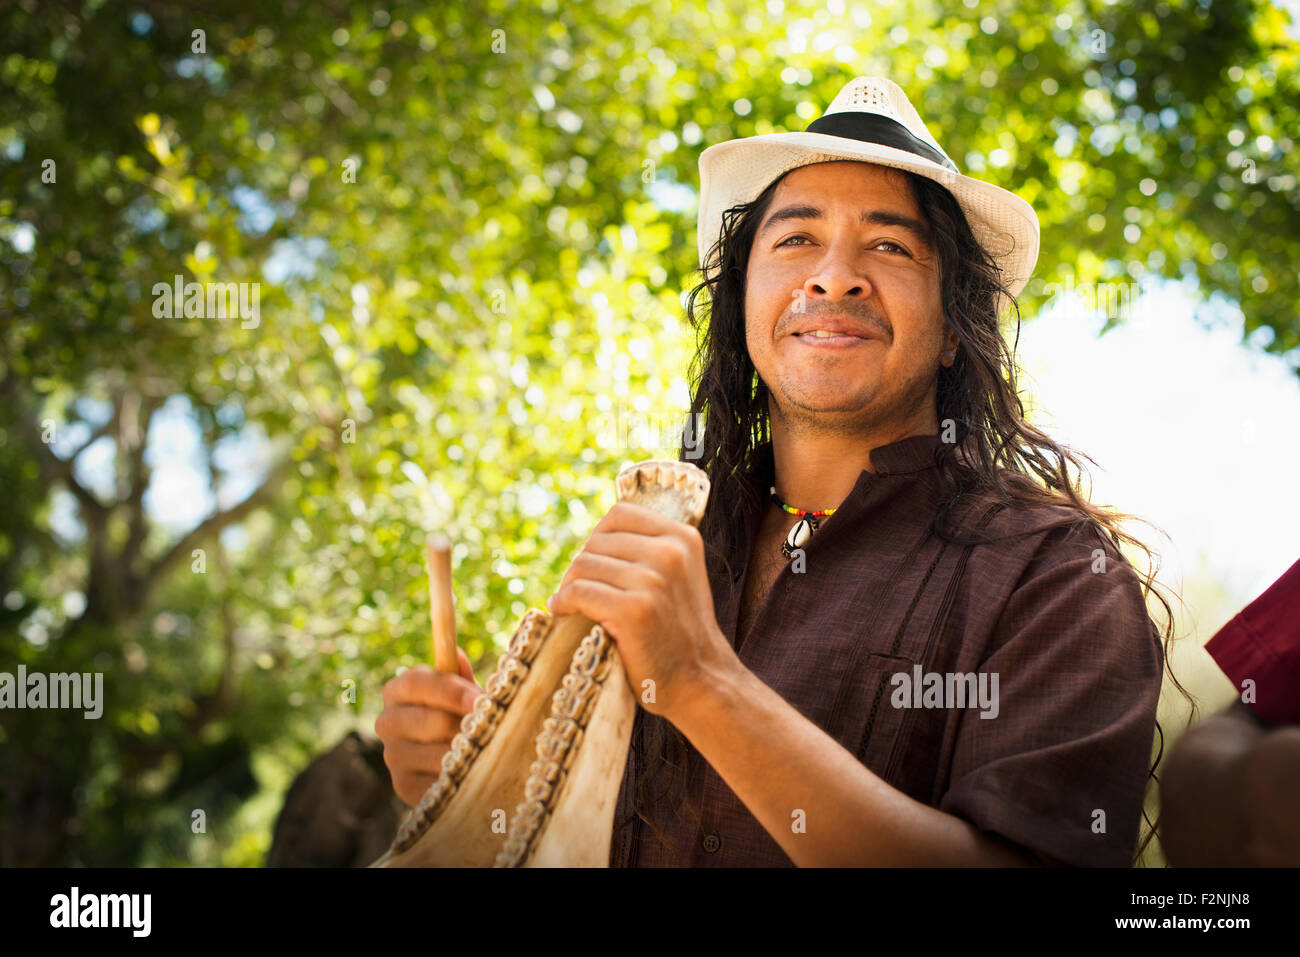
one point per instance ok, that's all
(422, 713)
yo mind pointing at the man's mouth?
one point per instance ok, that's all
(827, 339)
(824, 334)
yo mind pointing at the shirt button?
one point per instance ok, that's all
(711, 842)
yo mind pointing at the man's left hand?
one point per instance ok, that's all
(642, 576)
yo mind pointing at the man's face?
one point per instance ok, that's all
(844, 243)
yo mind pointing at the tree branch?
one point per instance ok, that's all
(215, 523)
(52, 467)
(134, 442)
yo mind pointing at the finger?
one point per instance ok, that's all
(598, 601)
(629, 517)
(423, 685)
(435, 689)
(411, 787)
(416, 722)
(675, 545)
(415, 757)
(629, 546)
(621, 573)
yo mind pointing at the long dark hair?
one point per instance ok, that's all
(1003, 458)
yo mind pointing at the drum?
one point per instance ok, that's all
(532, 778)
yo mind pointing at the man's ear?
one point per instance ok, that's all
(950, 347)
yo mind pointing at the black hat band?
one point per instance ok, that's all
(874, 128)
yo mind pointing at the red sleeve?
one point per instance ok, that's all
(1262, 644)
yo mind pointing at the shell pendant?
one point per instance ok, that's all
(798, 535)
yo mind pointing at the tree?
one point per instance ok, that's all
(463, 227)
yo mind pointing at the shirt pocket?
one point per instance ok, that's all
(873, 728)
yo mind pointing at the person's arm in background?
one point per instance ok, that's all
(1231, 794)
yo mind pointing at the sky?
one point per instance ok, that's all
(1293, 8)
(1193, 430)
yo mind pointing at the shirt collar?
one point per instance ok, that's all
(912, 454)
(905, 457)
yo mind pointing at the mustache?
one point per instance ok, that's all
(859, 311)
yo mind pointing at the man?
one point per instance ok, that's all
(910, 641)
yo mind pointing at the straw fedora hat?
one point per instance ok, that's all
(871, 121)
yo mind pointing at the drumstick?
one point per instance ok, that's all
(442, 608)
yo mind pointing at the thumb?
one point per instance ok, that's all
(465, 670)
(469, 694)
(471, 687)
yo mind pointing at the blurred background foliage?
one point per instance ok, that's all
(472, 225)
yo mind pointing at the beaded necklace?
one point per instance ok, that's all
(803, 528)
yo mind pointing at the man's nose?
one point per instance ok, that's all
(836, 277)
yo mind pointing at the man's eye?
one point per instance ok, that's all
(895, 245)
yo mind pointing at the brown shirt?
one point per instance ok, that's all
(1050, 607)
